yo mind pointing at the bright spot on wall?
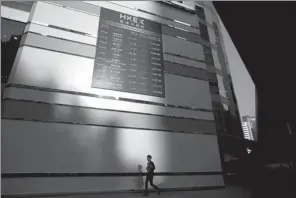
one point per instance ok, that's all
(135, 145)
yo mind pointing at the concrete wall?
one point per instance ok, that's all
(14, 14)
(80, 148)
(54, 122)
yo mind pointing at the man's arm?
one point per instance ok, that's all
(152, 166)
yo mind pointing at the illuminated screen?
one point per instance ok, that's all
(129, 55)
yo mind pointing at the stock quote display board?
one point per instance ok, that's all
(129, 55)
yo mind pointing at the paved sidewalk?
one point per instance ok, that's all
(229, 192)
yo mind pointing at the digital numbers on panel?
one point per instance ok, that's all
(129, 55)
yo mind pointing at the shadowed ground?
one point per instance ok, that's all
(229, 192)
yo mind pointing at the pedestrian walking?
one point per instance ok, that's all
(150, 174)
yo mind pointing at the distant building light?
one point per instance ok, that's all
(249, 151)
